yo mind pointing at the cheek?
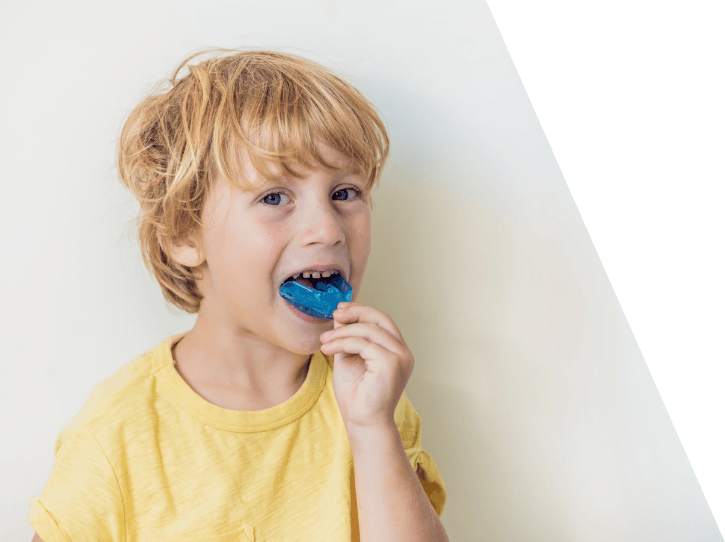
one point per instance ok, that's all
(362, 233)
(364, 226)
(240, 262)
(263, 250)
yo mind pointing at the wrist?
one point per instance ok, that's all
(372, 435)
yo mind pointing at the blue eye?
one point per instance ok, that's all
(357, 192)
(275, 201)
(274, 194)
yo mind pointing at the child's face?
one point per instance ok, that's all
(254, 240)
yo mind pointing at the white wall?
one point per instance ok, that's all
(536, 402)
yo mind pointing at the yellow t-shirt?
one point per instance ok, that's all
(147, 459)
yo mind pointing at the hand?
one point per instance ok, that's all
(372, 365)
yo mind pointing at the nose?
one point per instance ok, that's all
(322, 223)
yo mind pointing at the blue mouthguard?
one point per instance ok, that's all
(320, 301)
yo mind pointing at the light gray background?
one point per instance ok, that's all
(536, 402)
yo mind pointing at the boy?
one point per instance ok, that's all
(261, 423)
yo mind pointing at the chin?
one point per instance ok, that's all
(305, 351)
(302, 344)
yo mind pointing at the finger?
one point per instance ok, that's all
(375, 356)
(357, 312)
(369, 331)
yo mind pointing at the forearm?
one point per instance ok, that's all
(392, 505)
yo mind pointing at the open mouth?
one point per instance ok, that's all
(316, 297)
(310, 282)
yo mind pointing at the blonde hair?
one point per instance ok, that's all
(273, 105)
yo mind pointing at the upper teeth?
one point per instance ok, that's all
(316, 274)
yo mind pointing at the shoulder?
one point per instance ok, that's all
(84, 480)
(118, 397)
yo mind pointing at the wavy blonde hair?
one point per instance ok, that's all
(181, 138)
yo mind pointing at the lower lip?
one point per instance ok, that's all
(306, 317)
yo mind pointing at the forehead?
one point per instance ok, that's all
(276, 173)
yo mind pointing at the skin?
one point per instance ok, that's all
(247, 349)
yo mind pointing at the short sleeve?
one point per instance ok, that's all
(409, 426)
(82, 499)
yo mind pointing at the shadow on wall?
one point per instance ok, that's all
(446, 273)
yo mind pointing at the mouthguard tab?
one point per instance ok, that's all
(320, 301)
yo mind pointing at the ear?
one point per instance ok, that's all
(184, 251)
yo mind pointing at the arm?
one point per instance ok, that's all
(372, 364)
(36, 538)
(392, 505)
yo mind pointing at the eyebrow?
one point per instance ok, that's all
(287, 180)
(270, 181)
